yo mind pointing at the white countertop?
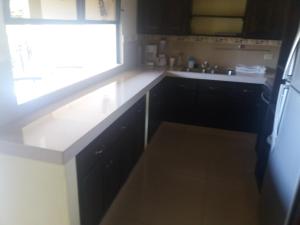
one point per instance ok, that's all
(242, 78)
(60, 135)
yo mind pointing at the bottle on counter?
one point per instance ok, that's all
(191, 63)
(179, 60)
(162, 46)
(172, 61)
(162, 60)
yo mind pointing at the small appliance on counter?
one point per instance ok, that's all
(162, 46)
(172, 61)
(191, 63)
(151, 55)
(162, 56)
(162, 60)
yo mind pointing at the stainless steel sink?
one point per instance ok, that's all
(226, 72)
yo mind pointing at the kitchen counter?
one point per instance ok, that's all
(242, 78)
(60, 135)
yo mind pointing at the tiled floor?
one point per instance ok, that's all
(190, 176)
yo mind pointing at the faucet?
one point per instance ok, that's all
(205, 66)
(214, 69)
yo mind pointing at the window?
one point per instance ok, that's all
(49, 52)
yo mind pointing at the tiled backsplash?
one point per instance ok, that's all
(223, 51)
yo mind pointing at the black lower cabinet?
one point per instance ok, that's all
(111, 176)
(92, 182)
(104, 166)
(263, 147)
(156, 108)
(139, 120)
(126, 143)
(91, 197)
(213, 105)
(228, 105)
(217, 104)
(180, 98)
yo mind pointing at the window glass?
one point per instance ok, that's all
(46, 58)
(100, 9)
(43, 9)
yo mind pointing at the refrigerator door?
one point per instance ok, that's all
(295, 78)
(283, 92)
(289, 68)
(283, 171)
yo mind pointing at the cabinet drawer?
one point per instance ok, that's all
(87, 158)
(104, 165)
(228, 105)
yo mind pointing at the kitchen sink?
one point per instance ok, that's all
(226, 72)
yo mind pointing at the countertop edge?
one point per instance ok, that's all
(85, 140)
(31, 152)
(216, 77)
(62, 157)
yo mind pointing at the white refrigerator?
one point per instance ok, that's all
(281, 182)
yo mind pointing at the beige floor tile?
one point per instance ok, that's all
(190, 176)
(231, 203)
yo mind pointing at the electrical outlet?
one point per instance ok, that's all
(268, 56)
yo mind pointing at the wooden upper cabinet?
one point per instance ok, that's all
(176, 19)
(164, 16)
(265, 19)
(150, 16)
(257, 19)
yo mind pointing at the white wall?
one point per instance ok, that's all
(35, 193)
(10, 111)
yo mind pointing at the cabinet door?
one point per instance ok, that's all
(87, 158)
(265, 19)
(177, 17)
(95, 186)
(139, 121)
(150, 16)
(111, 177)
(181, 100)
(156, 109)
(91, 196)
(212, 104)
(227, 105)
(103, 167)
(244, 107)
(164, 16)
(126, 143)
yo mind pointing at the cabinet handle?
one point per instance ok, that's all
(264, 98)
(99, 152)
(123, 127)
(248, 91)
